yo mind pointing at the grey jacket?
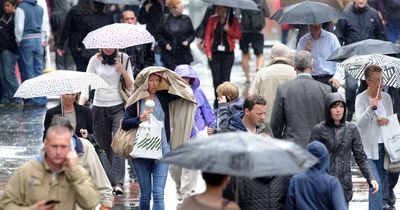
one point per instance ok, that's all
(366, 121)
(299, 105)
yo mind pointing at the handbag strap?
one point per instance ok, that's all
(340, 146)
(121, 79)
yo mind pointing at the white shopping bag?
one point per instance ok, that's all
(148, 143)
(391, 138)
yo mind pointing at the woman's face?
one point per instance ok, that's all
(108, 51)
(221, 10)
(177, 10)
(68, 99)
(154, 82)
(376, 81)
(337, 112)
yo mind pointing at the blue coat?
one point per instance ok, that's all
(316, 189)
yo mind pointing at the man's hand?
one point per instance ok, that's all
(84, 133)
(210, 130)
(221, 99)
(72, 160)
(168, 47)
(44, 44)
(375, 186)
(60, 52)
(334, 82)
(382, 121)
(104, 208)
(309, 46)
(185, 43)
(41, 206)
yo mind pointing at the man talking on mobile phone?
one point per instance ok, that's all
(54, 174)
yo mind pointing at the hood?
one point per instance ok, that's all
(236, 105)
(319, 151)
(34, 2)
(236, 122)
(331, 98)
(188, 71)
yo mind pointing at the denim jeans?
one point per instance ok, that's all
(381, 176)
(8, 79)
(393, 30)
(152, 176)
(31, 65)
(351, 93)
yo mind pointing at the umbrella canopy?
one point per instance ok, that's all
(242, 154)
(356, 66)
(117, 35)
(337, 4)
(126, 2)
(365, 47)
(307, 12)
(240, 4)
(58, 83)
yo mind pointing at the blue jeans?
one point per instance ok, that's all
(381, 176)
(393, 30)
(152, 176)
(31, 65)
(9, 81)
(351, 93)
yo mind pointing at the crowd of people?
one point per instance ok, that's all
(294, 98)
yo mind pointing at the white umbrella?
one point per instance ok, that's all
(58, 83)
(357, 64)
(117, 35)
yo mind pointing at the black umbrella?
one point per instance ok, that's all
(240, 4)
(242, 154)
(126, 2)
(307, 12)
(365, 47)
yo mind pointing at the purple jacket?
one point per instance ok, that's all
(204, 115)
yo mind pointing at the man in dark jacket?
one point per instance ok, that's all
(8, 54)
(392, 17)
(141, 56)
(261, 193)
(316, 189)
(361, 22)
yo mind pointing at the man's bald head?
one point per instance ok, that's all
(280, 50)
(128, 16)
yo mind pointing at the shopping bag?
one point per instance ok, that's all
(148, 143)
(391, 138)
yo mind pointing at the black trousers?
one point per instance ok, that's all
(221, 67)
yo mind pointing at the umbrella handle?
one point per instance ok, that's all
(377, 94)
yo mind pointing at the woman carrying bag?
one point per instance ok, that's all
(173, 101)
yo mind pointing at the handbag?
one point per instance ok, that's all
(148, 143)
(122, 89)
(103, 157)
(122, 142)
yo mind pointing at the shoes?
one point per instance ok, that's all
(118, 191)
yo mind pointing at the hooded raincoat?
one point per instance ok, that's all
(316, 189)
(332, 136)
(204, 116)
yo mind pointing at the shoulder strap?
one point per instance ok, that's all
(340, 146)
(225, 204)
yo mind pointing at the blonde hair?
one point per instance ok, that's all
(172, 3)
(229, 90)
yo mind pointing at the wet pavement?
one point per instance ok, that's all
(21, 132)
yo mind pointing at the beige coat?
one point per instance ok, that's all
(181, 111)
(91, 162)
(267, 80)
(34, 181)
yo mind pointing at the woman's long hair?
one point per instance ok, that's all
(85, 7)
(108, 59)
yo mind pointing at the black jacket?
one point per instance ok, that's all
(153, 17)
(71, 30)
(359, 24)
(332, 136)
(267, 193)
(392, 8)
(83, 115)
(173, 31)
(7, 35)
(141, 56)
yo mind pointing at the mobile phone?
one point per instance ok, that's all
(50, 202)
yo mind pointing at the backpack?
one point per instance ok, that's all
(254, 21)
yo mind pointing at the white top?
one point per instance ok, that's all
(380, 112)
(107, 97)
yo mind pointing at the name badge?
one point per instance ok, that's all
(221, 48)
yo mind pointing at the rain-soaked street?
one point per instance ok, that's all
(21, 132)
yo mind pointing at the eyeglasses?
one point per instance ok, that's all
(377, 80)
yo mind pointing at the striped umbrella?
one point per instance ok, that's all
(356, 66)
